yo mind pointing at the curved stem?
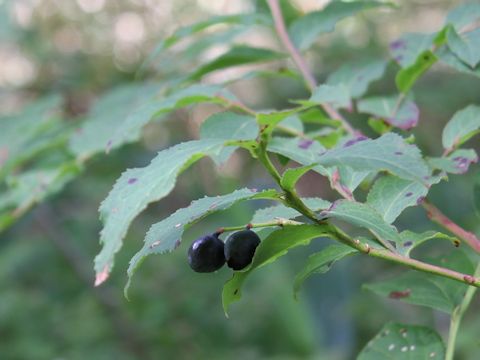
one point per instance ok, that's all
(441, 219)
(457, 316)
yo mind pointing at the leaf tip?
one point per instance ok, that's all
(102, 276)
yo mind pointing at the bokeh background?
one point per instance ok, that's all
(49, 308)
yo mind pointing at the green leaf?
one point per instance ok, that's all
(277, 244)
(364, 216)
(166, 235)
(402, 114)
(336, 95)
(357, 76)
(136, 188)
(462, 126)
(407, 76)
(320, 263)
(389, 152)
(269, 120)
(307, 152)
(35, 128)
(465, 45)
(228, 126)
(404, 342)
(155, 107)
(282, 211)
(292, 175)
(305, 30)
(426, 290)
(237, 55)
(32, 187)
(411, 240)
(449, 58)
(391, 195)
(109, 113)
(464, 14)
(244, 20)
(457, 162)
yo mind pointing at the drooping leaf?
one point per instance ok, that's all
(228, 125)
(457, 162)
(389, 153)
(136, 188)
(305, 30)
(166, 235)
(423, 289)
(277, 244)
(320, 263)
(108, 113)
(411, 240)
(391, 195)
(462, 126)
(157, 106)
(407, 76)
(465, 45)
(402, 114)
(237, 55)
(404, 342)
(364, 216)
(357, 76)
(464, 14)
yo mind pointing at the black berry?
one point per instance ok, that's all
(240, 247)
(206, 254)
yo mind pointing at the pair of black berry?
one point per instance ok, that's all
(209, 253)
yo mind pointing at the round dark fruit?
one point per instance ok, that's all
(206, 254)
(240, 247)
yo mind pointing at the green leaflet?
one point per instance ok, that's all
(292, 175)
(390, 195)
(391, 109)
(165, 235)
(404, 342)
(465, 45)
(136, 188)
(277, 244)
(109, 112)
(426, 290)
(462, 126)
(407, 76)
(458, 162)
(320, 263)
(389, 152)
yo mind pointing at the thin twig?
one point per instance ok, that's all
(300, 62)
(441, 219)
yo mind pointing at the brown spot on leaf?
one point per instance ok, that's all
(399, 295)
